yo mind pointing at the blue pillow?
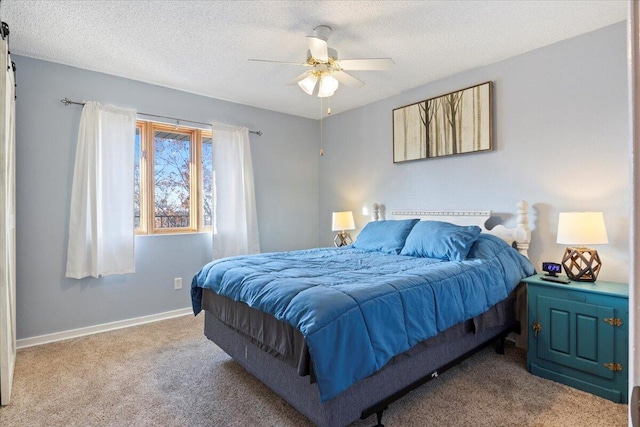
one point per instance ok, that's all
(441, 240)
(487, 246)
(385, 236)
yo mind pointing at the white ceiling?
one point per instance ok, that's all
(204, 46)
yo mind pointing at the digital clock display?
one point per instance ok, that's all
(551, 267)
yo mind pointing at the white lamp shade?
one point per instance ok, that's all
(343, 221)
(328, 85)
(582, 228)
(308, 84)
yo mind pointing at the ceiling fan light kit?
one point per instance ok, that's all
(327, 84)
(327, 71)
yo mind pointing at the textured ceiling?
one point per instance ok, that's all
(204, 46)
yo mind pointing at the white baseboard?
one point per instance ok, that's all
(89, 330)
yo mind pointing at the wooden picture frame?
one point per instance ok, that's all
(458, 122)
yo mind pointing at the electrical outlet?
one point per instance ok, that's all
(177, 283)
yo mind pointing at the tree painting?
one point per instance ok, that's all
(455, 123)
(409, 138)
(453, 115)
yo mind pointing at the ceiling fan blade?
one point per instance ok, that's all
(367, 64)
(279, 62)
(318, 48)
(299, 78)
(347, 79)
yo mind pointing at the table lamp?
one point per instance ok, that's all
(579, 229)
(342, 221)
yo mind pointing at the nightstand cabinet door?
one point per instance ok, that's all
(578, 335)
(575, 335)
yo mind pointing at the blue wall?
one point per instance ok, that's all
(561, 143)
(285, 160)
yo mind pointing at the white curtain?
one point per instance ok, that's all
(7, 225)
(101, 229)
(235, 220)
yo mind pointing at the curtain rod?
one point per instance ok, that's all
(67, 101)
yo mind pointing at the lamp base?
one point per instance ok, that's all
(342, 239)
(581, 264)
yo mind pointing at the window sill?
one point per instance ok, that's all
(186, 233)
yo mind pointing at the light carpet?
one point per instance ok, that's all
(168, 374)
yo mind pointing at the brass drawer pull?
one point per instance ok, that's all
(615, 367)
(537, 327)
(613, 321)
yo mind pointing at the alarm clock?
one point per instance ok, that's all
(551, 268)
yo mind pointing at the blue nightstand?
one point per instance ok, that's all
(578, 335)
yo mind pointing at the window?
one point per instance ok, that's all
(173, 179)
(207, 181)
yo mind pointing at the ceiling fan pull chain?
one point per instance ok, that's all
(321, 144)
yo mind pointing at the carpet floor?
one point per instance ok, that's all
(168, 374)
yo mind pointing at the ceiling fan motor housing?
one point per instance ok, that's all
(322, 32)
(332, 53)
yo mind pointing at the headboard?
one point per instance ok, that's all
(520, 234)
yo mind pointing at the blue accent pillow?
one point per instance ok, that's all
(441, 240)
(385, 236)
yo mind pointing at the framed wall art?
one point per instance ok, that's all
(456, 123)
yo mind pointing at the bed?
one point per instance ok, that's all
(340, 333)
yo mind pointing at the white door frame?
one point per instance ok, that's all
(633, 65)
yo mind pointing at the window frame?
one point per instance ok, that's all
(148, 130)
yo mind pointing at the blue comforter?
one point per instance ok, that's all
(359, 309)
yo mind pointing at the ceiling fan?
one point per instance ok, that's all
(326, 70)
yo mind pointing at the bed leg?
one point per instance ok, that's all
(379, 417)
(500, 345)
